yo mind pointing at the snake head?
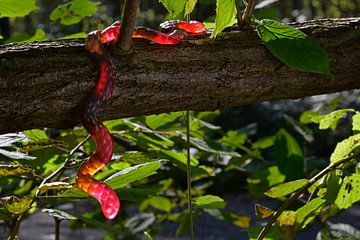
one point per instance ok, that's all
(111, 33)
(93, 43)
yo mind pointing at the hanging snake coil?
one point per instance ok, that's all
(171, 33)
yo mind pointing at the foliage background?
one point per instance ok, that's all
(237, 154)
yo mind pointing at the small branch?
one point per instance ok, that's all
(188, 175)
(57, 228)
(60, 169)
(245, 19)
(301, 191)
(15, 228)
(128, 24)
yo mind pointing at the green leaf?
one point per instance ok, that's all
(15, 169)
(332, 187)
(345, 148)
(293, 47)
(59, 214)
(54, 186)
(284, 189)
(74, 11)
(339, 231)
(129, 175)
(158, 202)
(286, 223)
(309, 117)
(288, 155)
(331, 120)
(234, 138)
(356, 122)
(225, 15)
(264, 142)
(189, 6)
(174, 7)
(38, 36)
(308, 212)
(75, 35)
(263, 212)
(178, 158)
(36, 135)
(16, 205)
(349, 192)
(157, 121)
(210, 201)
(262, 180)
(1, 37)
(16, 8)
(15, 155)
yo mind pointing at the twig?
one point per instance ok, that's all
(15, 228)
(63, 166)
(57, 228)
(128, 24)
(188, 172)
(245, 19)
(301, 191)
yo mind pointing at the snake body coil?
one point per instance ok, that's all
(172, 32)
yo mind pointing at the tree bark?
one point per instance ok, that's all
(44, 84)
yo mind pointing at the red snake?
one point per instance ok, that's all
(172, 32)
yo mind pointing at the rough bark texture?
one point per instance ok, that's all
(43, 84)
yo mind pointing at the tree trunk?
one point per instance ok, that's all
(43, 84)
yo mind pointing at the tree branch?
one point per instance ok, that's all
(42, 84)
(128, 24)
(299, 192)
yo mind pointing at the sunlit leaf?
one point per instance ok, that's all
(15, 169)
(345, 148)
(286, 223)
(158, 202)
(308, 212)
(293, 47)
(16, 8)
(75, 35)
(36, 135)
(129, 175)
(15, 204)
(15, 155)
(265, 142)
(7, 140)
(59, 214)
(349, 192)
(332, 187)
(174, 7)
(356, 122)
(54, 186)
(263, 212)
(225, 15)
(210, 201)
(189, 6)
(331, 120)
(74, 11)
(284, 189)
(157, 121)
